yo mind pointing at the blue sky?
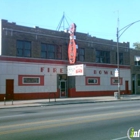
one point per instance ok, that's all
(96, 17)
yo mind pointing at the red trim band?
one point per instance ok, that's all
(61, 62)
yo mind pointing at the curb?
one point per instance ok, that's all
(62, 103)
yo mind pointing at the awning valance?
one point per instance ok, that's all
(136, 58)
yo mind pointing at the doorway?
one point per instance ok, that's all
(63, 88)
(126, 87)
(133, 87)
(9, 89)
(133, 83)
(62, 85)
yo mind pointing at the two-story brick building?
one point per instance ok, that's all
(135, 70)
(34, 63)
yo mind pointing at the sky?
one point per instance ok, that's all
(98, 18)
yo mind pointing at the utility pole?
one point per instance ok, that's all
(118, 61)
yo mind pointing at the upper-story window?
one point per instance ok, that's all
(120, 58)
(51, 51)
(102, 56)
(137, 60)
(59, 52)
(23, 48)
(81, 54)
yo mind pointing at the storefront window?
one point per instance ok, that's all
(32, 80)
(92, 80)
(114, 81)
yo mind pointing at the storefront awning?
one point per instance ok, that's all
(136, 58)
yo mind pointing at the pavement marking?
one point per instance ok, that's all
(64, 122)
(4, 117)
(104, 107)
(60, 124)
(120, 138)
(108, 115)
(21, 115)
(12, 116)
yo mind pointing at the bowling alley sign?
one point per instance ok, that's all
(72, 48)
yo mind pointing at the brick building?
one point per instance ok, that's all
(34, 63)
(135, 70)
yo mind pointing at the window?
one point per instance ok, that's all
(137, 60)
(102, 56)
(30, 80)
(92, 80)
(59, 52)
(81, 54)
(33, 80)
(51, 51)
(114, 81)
(120, 58)
(23, 48)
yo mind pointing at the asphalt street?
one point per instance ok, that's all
(94, 121)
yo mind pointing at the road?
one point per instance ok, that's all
(91, 121)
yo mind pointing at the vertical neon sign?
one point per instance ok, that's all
(72, 50)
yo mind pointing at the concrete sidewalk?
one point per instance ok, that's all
(64, 101)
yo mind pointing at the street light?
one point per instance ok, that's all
(121, 31)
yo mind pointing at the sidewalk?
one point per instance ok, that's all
(64, 101)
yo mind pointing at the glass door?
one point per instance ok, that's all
(62, 88)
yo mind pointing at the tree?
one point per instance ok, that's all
(137, 45)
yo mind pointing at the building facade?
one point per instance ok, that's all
(34, 64)
(135, 70)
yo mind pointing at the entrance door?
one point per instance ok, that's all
(9, 89)
(133, 83)
(126, 87)
(133, 86)
(62, 88)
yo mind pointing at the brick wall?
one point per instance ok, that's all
(12, 32)
(133, 53)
